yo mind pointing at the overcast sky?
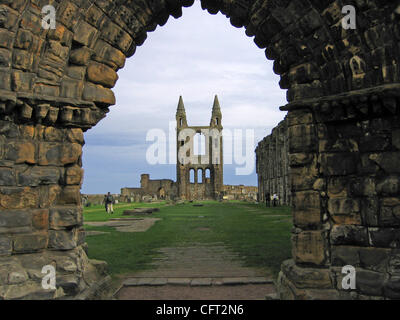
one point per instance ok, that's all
(196, 56)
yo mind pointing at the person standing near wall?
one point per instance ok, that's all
(267, 200)
(109, 203)
(275, 200)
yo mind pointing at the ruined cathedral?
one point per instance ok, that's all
(205, 167)
(199, 171)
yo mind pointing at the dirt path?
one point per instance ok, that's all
(198, 272)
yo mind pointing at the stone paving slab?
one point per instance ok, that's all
(201, 282)
(230, 281)
(179, 281)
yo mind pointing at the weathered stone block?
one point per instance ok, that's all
(76, 72)
(369, 282)
(7, 177)
(63, 217)
(71, 88)
(70, 153)
(46, 90)
(390, 212)
(370, 211)
(109, 55)
(84, 33)
(5, 246)
(306, 277)
(309, 247)
(392, 287)
(384, 237)
(388, 185)
(300, 159)
(374, 259)
(74, 175)
(349, 235)
(344, 211)
(22, 60)
(18, 198)
(101, 74)
(40, 219)
(38, 176)
(26, 112)
(53, 134)
(52, 115)
(337, 164)
(303, 178)
(29, 243)
(81, 56)
(362, 187)
(302, 138)
(20, 152)
(5, 58)
(306, 209)
(49, 153)
(99, 94)
(15, 221)
(5, 84)
(388, 161)
(62, 239)
(345, 255)
(75, 135)
(6, 38)
(69, 195)
(24, 39)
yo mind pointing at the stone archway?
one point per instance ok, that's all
(342, 125)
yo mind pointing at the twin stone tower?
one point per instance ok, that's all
(199, 173)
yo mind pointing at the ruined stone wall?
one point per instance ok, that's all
(272, 165)
(157, 188)
(241, 192)
(41, 219)
(345, 180)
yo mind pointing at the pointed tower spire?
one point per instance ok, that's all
(216, 115)
(181, 114)
(181, 106)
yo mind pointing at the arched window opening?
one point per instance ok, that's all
(191, 174)
(200, 176)
(199, 144)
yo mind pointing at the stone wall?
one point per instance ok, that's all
(272, 165)
(41, 219)
(151, 188)
(240, 192)
(345, 180)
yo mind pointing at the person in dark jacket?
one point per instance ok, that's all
(267, 200)
(109, 200)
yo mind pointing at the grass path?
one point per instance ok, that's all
(259, 235)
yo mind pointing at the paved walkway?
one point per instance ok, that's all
(198, 272)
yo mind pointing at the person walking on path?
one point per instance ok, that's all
(109, 203)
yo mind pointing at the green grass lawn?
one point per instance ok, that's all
(260, 235)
